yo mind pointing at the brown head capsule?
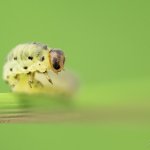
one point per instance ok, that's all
(57, 60)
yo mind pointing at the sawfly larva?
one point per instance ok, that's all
(27, 60)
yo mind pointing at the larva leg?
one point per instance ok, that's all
(31, 79)
(33, 82)
(48, 77)
(14, 80)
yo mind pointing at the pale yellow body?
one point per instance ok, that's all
(18, 61)
(27, 64)
(22, 52)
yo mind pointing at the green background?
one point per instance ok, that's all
(103, 40)
(106, 43)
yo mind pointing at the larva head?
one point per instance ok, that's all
(57, 60)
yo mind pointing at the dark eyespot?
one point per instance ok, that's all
(56, 65)
(30, 58)
(15, 58)
(25, 67)
(11, 69)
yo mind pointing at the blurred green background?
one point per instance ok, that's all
(106, 43)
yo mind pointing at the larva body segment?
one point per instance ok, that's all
(27, 59)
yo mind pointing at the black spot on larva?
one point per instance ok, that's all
(11, 69)
(15, 58)
(25, 67)
(30, 58)
(45, 47)
(42, 58)
(7, 77)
